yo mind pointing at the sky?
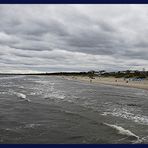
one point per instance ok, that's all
(54, 38)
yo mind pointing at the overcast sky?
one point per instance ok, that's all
(50, 38)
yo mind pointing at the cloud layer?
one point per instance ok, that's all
(49, 38)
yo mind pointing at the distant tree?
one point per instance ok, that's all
(91, 74)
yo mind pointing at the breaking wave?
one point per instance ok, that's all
(18, 94)
(55, 95)
(128, 115)
(21, 96)
(120, 130)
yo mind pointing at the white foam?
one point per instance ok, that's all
(3, 93)
(21, 87)
(32, 125)
(56, 95)
(32, 93)
(128, 115)
(21, 96)
(122, 131)
(11, 77)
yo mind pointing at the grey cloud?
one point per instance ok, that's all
(73, 37)
(136, 55)
(107, 27)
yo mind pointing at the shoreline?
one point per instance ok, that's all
(111, 81)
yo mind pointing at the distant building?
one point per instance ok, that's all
(99, 72)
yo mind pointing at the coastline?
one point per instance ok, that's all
(111, 81)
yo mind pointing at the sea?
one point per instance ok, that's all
(54, 110)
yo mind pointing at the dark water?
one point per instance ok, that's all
(44, 109)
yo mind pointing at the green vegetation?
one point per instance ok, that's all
(127, 74)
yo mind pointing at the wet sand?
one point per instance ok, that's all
(112, 81)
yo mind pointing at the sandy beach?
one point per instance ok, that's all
(112, 81)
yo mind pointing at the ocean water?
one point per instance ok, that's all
(50, 109)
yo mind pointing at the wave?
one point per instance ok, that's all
(141, 119)
(120, 130)
(25, 126)
(3, 93)
(11, 77)
(21, 96)
(55, 96)
(18, 94)
(33, 125)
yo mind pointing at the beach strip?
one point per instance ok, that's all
(111, 81)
